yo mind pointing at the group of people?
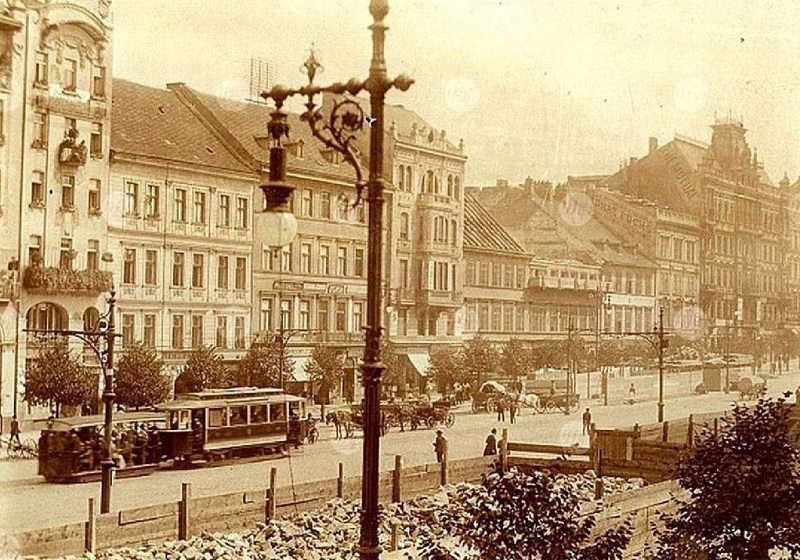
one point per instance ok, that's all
(507, 403)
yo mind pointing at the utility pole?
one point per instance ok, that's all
(661, 345)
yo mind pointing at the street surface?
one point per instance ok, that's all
(30, 503)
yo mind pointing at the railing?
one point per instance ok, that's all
(442, 297)
(52, 280)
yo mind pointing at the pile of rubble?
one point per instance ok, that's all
(333, 531)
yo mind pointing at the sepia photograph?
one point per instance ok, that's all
(399, 280)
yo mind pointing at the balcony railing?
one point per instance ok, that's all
(440, 298)
(53, 280)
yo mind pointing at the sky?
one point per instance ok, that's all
(540, 88)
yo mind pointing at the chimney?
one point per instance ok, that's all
(633, 160)
(653, 144)
(502, 183)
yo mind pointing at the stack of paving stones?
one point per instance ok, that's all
(331, 532)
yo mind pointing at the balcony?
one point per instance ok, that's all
(440, 298)
(438, 201)
(38, 279)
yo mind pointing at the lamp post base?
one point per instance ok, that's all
(369, 552)
(105, 485)
(660, 411)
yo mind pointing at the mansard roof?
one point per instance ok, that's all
(154, 123)
(481, 230)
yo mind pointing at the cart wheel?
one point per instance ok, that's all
(450, 419)
(430, 421)
(475, 407)
(550, 406)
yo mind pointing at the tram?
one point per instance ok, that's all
(196, 428)
(228, 423)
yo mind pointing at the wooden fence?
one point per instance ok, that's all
(235, 511)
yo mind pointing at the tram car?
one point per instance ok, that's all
(219, 424)
(201, 427)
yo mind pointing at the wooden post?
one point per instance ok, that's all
(90, 529)
(599, 488)
(637, 431)
(270, 502)
(443, 465)
(340, 482)
(716, 428)
(690, 432)
(504, 451)
(395, 537)
(397, 475)
(665, 431)
(592, 428)
(184, 525)
(629, 449)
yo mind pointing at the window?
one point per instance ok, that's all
(241, 213)
(34, 248)
(37, 188)
(94, 196)
(198, 266)
(404, 278)
(508, 276)
(66, 254)
(92, 254)
(323, 307)
(324, 260)
(306, 203)
(325, 204)
(98, 81)
(131, 198)
(70, 75)
(304, 318)
(341, 315)
(241, 273)
(286, 314)
(224, 210)
(222, 332)
(496, 274)
(358, 314)
(128, 325)
(40, 72)
(199, 207)
(341, 261)
(177, 332)
(152, 201)
(150, 264)
(305, 258)
(180, 205)
(404, 225)
(177, 269)
(149, 335)
(663, 246)
(39, 130)
(222, 272)
(129, 267)
(68, 192)
(197, 331)
(268, 257)
(359, 263)
(286, 258)
(266, 315)
(96, 140)
(238, 333)
(361, 214)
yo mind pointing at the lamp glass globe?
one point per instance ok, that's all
(280, 228)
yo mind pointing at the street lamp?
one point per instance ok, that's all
(658, 341)
(345, 121)
(104, 331)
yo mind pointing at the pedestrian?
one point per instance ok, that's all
(632, 393)
(491, 443)
(336, 424)
(587, 421)
(439, 445)
(501, 410)
(512, 409)
(14, 430)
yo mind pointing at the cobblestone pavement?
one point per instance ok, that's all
(27, 502)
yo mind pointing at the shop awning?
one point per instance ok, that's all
(299, 374)
(420, 363)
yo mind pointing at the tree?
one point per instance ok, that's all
(203, 370)
(325, 367)
(139, 379)
(515, 360)
(58, 378)
(744, 490)
(447, 368)
(516, 516)
(480, 360)
(261, 366)
(394, 373)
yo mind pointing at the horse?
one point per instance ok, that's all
(341, 419)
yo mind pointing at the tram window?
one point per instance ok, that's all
(277, 412)
(173, 420)
(258, 413)
(238, 415)
(217, 417)
(184, 420)
(294, 409)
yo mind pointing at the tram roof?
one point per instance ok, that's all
(190, 400)
(228, 393)
(74, 422)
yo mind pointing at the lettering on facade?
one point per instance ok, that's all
(336, 289)
(287, 286)
(315, 286)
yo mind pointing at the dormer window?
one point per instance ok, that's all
(332, 156)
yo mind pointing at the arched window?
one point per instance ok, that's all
(457, 188)
(453, 231)
(450, 185)
(436, 186)
(428, 183)
(401, 176)
(409, 179)
(46, 316)
(404, 225)
(91, 317)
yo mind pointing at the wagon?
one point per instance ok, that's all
(559, 401)
(487, 397)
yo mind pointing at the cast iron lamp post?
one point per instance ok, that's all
(339, 132)
(103, 332)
